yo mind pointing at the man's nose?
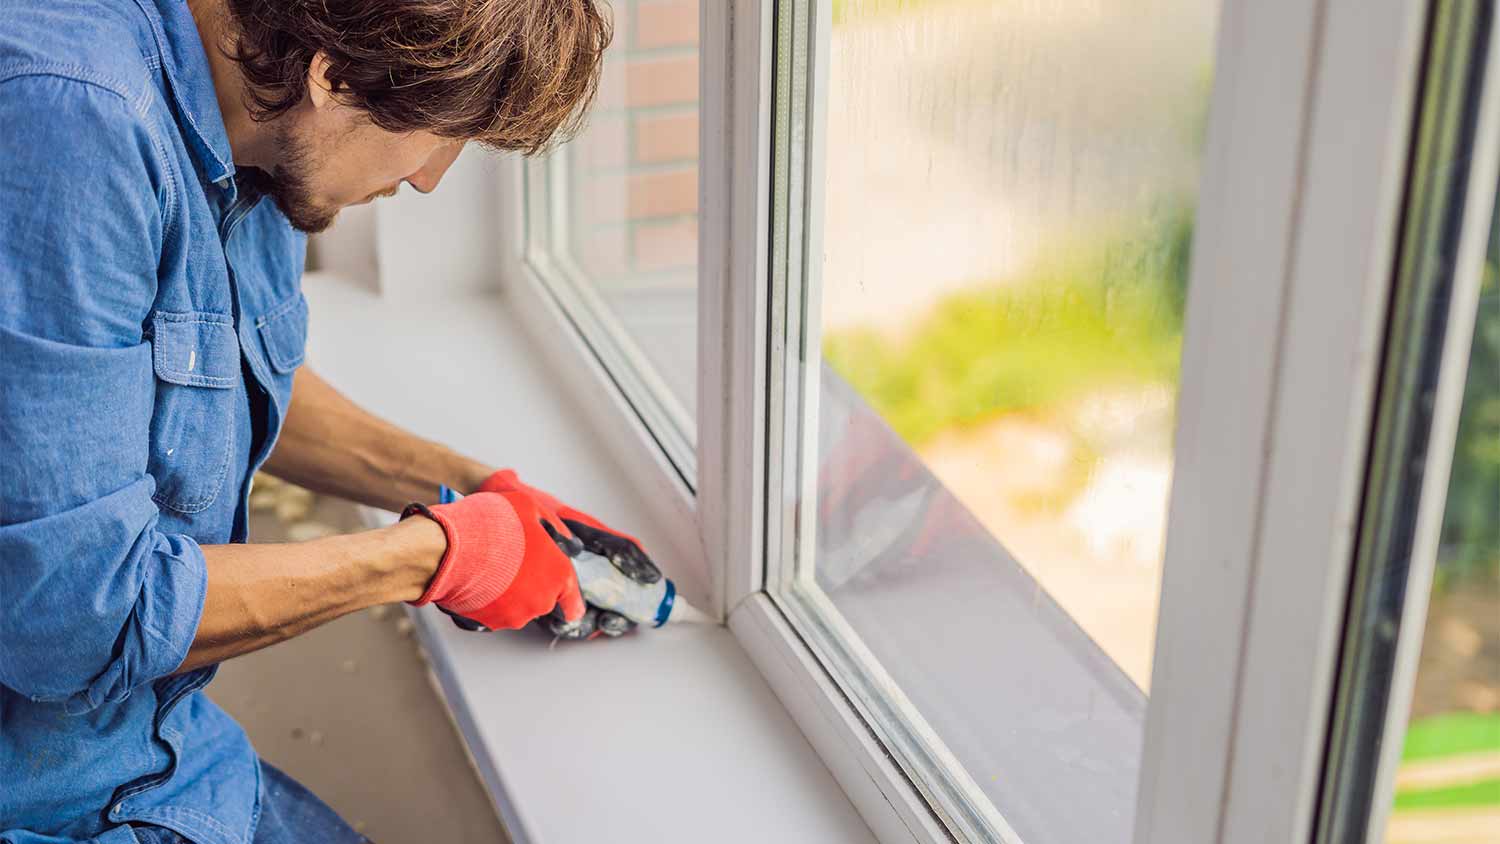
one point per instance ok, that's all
(426, 179)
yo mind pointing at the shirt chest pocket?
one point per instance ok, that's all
(283, 337)
(283, 330)
(196, 357)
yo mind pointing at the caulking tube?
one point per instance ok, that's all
(608, 588)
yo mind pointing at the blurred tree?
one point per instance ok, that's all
(1471, 521)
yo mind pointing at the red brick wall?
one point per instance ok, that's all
(633, 173)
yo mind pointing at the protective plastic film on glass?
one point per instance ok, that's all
(990, 293)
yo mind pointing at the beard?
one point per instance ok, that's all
(289, 184)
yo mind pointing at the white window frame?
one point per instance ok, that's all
(595, 390)
(1304, 174)
(1445, 243)
(1258, 559)
(635, 376)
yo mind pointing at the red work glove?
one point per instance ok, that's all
(503, 566)
(624, 550)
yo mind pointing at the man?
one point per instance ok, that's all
(157, 161)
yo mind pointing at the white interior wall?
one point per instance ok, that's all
(415, 245)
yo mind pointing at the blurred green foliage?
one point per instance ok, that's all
(1105, 310)
(1468, 795)
(1108, 310)
(1471, 522)
(1451, 733)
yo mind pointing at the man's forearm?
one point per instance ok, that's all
(331, 445)
(262, 594)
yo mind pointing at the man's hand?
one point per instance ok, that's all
(624, 550)
(505, 564)
(621, 549)
(595, 623)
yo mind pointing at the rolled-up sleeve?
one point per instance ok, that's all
(95, 599)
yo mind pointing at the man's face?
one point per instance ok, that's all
(331, 157)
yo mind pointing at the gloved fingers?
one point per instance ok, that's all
(592, 527)
(515, 568)
(560, 627)
(573, 514)
(574, 544)
(612, 624)
(565, 539)
(570, 600)
(595, 623)
(622, 550)
(504, 480)
(576, 518)
(529, 510)
(561, 526)
(515, 615)
(546, 506)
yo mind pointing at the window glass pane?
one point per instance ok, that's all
(1448, 785)
(619, 204)
(1009, 191)
(1418, 549)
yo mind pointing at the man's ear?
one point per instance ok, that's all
(319, 88)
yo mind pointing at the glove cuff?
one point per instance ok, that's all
(486, 544)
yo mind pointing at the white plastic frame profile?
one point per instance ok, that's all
(734, 407)
(1287, 308)
(1451, 197)
(535, 289)
(719, 519)
(733, 268)
(734, 296)
(935, 793)
(548, 221)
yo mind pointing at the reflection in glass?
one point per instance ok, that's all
(626, 198)
(1010, 196)
(1448, 785)
(1009, 200)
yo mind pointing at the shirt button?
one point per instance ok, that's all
(119, 807)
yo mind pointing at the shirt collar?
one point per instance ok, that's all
(192, 86)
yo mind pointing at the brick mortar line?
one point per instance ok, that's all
(669, 51)
(655, 220)
(673, 277)
(657, 110)
(643, 168)
(660, 220)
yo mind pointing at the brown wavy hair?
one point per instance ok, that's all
(511, 74)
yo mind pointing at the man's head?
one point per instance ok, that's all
(353, 97)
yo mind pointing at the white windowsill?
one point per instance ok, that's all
(666, 736)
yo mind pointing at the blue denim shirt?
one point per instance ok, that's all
(151, 318)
